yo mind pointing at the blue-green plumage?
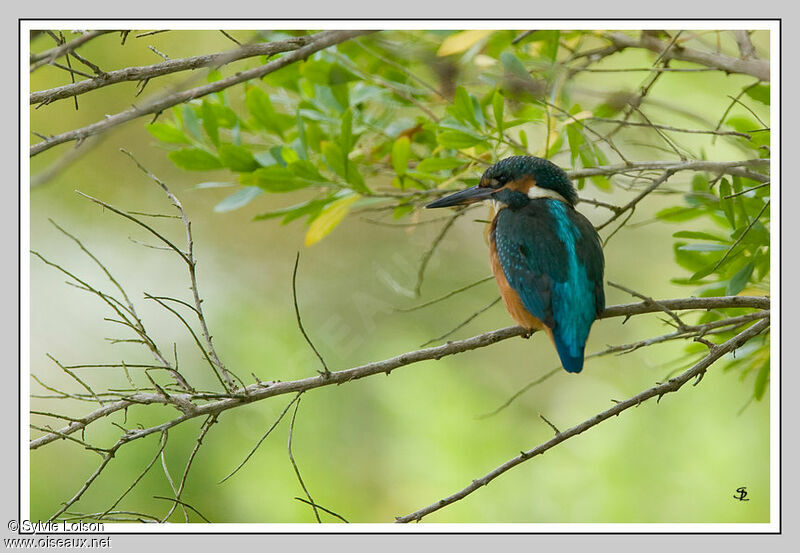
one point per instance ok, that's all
(549, 254)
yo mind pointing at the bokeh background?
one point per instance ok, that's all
(383, 446)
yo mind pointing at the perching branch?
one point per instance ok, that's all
(264, 390)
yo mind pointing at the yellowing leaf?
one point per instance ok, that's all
(327, 220)
(578, 116)
(461, 42)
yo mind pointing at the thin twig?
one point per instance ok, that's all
(444, 297)
(260, 441)
(324, 371)
(294, 464)
(426, 257)
(463, 323)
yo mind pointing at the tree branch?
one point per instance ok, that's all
(671, 385)
(729, 167)
(48, 56)
(143, 73)
(259, 391)
(755, 67)
(321, 41)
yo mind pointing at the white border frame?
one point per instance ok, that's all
(306, 528)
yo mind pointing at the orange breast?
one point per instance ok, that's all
(511, 298)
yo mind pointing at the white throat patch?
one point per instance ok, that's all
(536, 192)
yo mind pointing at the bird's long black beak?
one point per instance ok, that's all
(468, 196)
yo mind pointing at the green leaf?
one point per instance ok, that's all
(551, 39)
(498, 103)
(260, 107)
(402, 210)
(328, 219)
(462, 108)
(292, 212)
(601, 182)
(214, 184)
(691, 261)
(433, 164)
(274, 179)
(457, 139)
(759, 92)
(342, 166)
(191, 122)
(210, 123)
(237, 158)
(304, 169)
(340, 75)
(289, 155)
(514, 66)
(575, 140)
(346, 134)
(226, 117)
(727, 204)
(699, 236)
(742, 123)
(703, 247)
(401, 152)
(334, 157)
(523, 139)
(194, 159)
(762, 377)
(167, 133)
(238, 199)
(301, 136)
(739, 281)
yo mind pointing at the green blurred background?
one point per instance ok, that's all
(383, 446)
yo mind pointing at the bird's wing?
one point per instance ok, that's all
(589, 251)
(532, 257)
(536, 247)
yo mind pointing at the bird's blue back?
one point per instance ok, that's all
(552, 257)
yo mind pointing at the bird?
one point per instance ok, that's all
(546, 257)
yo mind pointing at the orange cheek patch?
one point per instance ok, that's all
(521, 185)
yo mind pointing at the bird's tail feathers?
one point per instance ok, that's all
(571, 363)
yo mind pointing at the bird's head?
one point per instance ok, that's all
(515, 181)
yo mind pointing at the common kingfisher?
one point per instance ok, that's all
(546, 257)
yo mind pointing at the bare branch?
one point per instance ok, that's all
(48, 56)
(260, 391)
(157, 105)
(672, 385)
(145, 72)
(757, 68)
